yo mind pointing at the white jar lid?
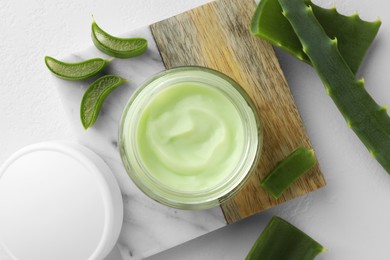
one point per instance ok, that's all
(58, 201)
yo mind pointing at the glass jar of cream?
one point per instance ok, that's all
(190, 137)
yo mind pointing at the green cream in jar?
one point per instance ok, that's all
(190, 137)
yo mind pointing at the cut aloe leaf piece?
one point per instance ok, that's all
(288, 171)
(354, 35)
(282, 241)
(117, 47)
(75, 71)
(95, 96)
(367, 119)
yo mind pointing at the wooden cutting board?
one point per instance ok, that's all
(217, 36)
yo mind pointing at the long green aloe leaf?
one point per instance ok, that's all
(370, 121)
(282, 241)
(354, 35)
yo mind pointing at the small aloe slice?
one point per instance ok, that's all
(288, 171)
(367, 119)
(117, 47)
(282, 241)
(354, 35)
(95, 96)
(75, 71)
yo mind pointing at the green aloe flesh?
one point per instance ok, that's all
(75, 71)
(282, 241)
(95, 96)
(367, 119)
(117, 47)
(354, 35)
(288, 171)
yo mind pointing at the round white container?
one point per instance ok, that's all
(58, 201)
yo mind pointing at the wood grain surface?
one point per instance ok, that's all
(217, 36)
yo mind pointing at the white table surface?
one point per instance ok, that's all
(350, 216)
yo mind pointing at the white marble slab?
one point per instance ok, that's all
(148, 227)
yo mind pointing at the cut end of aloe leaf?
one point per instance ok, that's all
(283, 241)
(85, 126)
(288, 171)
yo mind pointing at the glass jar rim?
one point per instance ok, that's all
(235, 180)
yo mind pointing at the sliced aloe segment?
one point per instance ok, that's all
(288, 171)
(282, 241)
(367, 119)
(75, 71)
(95, 96)
(354, 35)
(117, 47)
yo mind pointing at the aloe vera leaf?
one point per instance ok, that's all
(95, 96)
(269, 23)
(367, 119)
(283, 241)
(75, 71)
(117, 47)
(288, 171)
(354, 35)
